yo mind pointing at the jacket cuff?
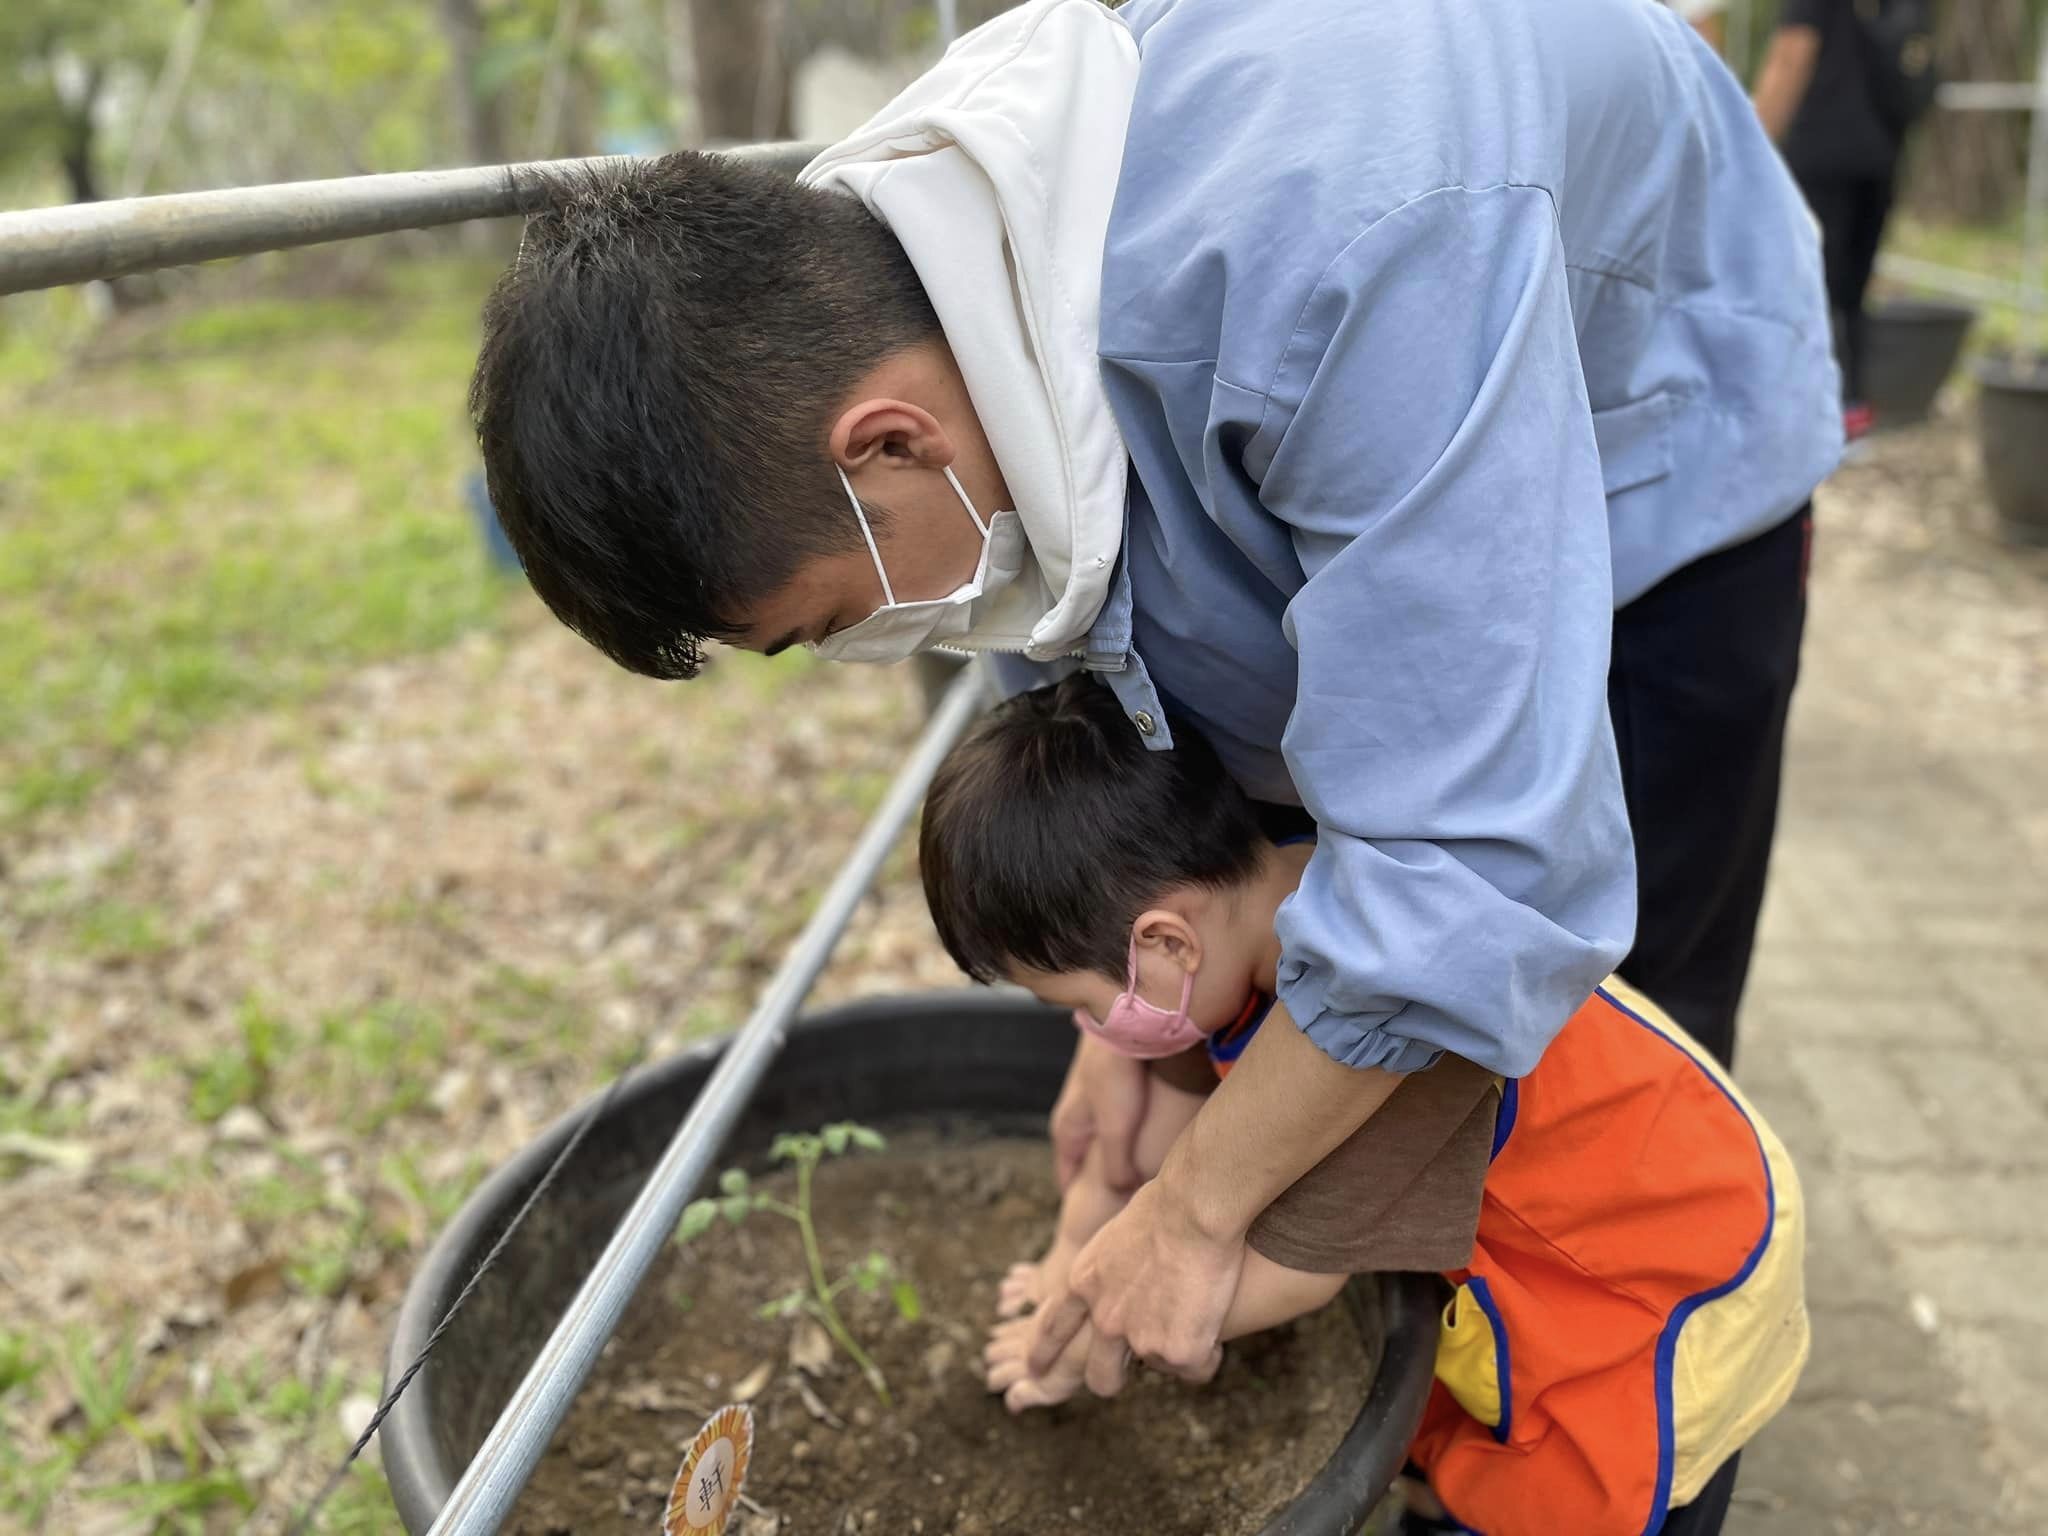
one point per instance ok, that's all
(1353, 1040)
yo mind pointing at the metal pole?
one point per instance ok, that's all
(1985, 96)
(84, 242)
(1959, 283)
(949, 22)
(506, 1459)
(2034, 241)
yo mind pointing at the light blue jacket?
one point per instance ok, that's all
(1438, 329)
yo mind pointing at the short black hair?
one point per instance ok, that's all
(655, 388)
(1051, 827)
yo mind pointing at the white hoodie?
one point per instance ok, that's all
(996, 170)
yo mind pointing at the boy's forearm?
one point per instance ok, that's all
(1269, 1295)
(1283, 1109)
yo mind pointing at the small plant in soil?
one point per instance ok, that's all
(737, 1199)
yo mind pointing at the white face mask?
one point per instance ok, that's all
(896, 630)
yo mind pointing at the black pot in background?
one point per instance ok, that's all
(2012, 432)
(1911, 347)
(995, 1058)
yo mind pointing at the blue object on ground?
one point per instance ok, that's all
(496, 545)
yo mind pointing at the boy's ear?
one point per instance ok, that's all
(887, 428)
(1167, 933)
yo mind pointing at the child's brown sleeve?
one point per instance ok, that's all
(1191, 1071)
(1403, 1192)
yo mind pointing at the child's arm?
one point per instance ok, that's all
(1091, 1200)
(1168, 1112)
(1270, 1294)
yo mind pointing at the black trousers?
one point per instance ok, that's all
(1852, 211)
(1699, 686)
(1705, 1514)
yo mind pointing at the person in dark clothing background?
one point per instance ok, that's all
(1821, 101)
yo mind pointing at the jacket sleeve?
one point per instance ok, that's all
(1427, 441)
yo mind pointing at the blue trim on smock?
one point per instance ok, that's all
(1504, 1122)
(1483, 1294)
(1667, 1341)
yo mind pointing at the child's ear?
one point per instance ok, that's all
(1172, 935)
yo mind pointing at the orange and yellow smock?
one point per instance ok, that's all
(1634, 1309)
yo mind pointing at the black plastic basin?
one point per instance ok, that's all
(2012, 431)
(1911, 347)
(996, 1058)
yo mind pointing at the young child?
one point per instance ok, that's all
(1623, 1232)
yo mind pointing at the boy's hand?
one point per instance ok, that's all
(1152, 1286)
(1102, 1104)
(1006, 1361)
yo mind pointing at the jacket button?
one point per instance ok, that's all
(1144, 722)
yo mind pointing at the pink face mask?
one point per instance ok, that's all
(1141, 1029)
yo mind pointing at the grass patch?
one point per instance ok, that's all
(28, 1484)
(103, 1383)
(361, 1506)
(181, 1503)
(295, 1192)
(25, 1110)
(430, 1203)
(239, 1073)
(113, 930)
(524, 1015)
(21, 1362)
(378, 1061)
(261, 495)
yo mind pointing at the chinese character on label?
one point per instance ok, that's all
(708, 1484)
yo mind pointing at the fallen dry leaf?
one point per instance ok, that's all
(655, 1397)
(810, 1348)
(65, 1156)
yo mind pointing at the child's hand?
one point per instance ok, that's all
(1027, 1285)
(1023, 1288)
(1008, 1363)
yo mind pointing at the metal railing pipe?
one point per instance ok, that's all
(1986, 96)
(1960, 283)
(491, 1483)
(84, 242)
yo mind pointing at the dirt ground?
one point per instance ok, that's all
(395, 933)
(275, 999)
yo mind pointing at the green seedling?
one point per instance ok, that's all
(737, 1200)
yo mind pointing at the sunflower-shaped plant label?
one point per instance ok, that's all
(708, 1486)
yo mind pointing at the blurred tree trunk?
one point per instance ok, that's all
(79, 139)
(160, 108)
(678, 26)
(476, 116)
(478, 125)
(1972, 165)
(557, 79)
(742, 80)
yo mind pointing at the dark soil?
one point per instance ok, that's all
(946, 1460)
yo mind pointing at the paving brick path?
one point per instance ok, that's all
(1897, 1024)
